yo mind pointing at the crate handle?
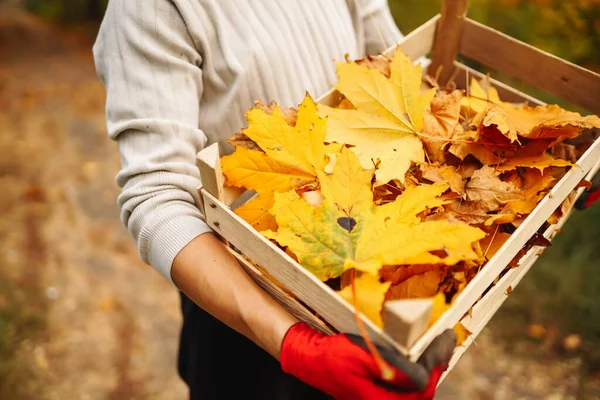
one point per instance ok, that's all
(447, 40)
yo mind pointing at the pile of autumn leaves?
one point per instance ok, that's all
(412, 188)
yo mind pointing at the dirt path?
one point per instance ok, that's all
(89, 320)
(80, 316)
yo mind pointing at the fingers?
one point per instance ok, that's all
(439, 351)
(420, 377)
(411, 376)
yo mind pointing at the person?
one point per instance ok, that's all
(180, 75)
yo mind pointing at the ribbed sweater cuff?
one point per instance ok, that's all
(170, 238)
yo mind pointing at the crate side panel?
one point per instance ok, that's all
(467, 298)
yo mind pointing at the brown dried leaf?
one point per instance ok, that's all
(564, 208)
(240, 139)
(290, 114)
(399, 273)
(566, 152)
(470, 212)
(466, 169)
(444, 173)
(440, 124)
(492, 243)
(418, 286)
(486, 188)
(380, 62)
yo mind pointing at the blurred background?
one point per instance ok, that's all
(82, 318)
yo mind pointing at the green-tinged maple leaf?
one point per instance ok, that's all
(349, 231)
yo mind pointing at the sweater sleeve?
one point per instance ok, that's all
(380, 30)
(150, 68)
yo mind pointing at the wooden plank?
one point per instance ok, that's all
(300, 282)
(292, 305)
(415, 45)
(208, 161)
(209, 164)
(406, 320)
(419, 42)
(496, 264)
(465, 74)
(447, 40)
(545, 71)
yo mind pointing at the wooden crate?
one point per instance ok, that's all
(406, 321)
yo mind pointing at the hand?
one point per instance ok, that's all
(341, 366)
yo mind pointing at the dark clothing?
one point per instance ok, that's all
(216, 362)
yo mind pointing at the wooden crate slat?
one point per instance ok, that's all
(406, 320)
(554, 75)
(447, 40)
(419, 42)
(517, 240)
(303, 284)
(292, 305)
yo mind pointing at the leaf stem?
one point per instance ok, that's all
(387, 372)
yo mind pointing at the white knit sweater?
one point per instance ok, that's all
(180, 74)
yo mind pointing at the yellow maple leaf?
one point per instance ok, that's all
(288, 156)
(292, 154)
(257, 171)
(387, 118)
(349, 231)
(256, 212)
(370, 294)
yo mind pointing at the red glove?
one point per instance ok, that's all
(341, 366)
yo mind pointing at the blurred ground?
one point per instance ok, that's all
(80, 316)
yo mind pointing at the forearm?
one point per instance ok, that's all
(210, 276)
